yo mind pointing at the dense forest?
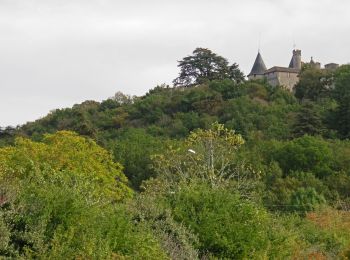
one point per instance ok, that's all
(213, 167)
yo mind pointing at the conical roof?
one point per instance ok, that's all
(291, 63)
(295, 62)
(259, 67)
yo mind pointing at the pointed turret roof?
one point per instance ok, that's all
(291, 63)
(295, 62)
(259, 67)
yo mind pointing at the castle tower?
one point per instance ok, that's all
(258, 69)
(295, 62)
(314, 65)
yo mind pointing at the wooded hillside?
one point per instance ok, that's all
(217, 168)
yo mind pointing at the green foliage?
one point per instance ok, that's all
(228, 88)
(339, 182)
(61, 198)
(314, 84)
(252, 109)
(204, 65)
(342, 95)
(208, 155)
(133, 148)
(7, 135)
(266, 112)
(307, 162)
(281, 195)
(51, 220)
(227, 226)
(4, 236)
(67, 152)
(150, 208)
(306, 199)
(305, 154)
(308, 121)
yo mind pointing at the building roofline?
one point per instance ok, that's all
(282, 69)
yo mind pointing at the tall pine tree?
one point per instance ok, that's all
(308, 121)
(342, 96)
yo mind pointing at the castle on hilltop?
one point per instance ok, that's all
(287, 77)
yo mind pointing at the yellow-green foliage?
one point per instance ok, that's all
(64, 198)
(206, 154)
(218, 133)
(72, 158)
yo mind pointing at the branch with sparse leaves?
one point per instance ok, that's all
(208, 155)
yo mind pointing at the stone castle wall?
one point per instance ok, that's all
(285, 79)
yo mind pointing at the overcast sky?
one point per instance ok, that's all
(55, 53)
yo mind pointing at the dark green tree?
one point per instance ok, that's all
(7, 135)
(342, 95)
(204, 65)
(308, 121)
(133, 148)
(307, 154)
(313, 84)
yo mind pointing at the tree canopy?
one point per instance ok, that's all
(342, 95)
(204, 65)
(313, 84)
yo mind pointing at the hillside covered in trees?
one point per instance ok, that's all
(214, 167)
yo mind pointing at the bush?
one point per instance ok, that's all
(305, 154)
(306, 199)
(226, 225)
